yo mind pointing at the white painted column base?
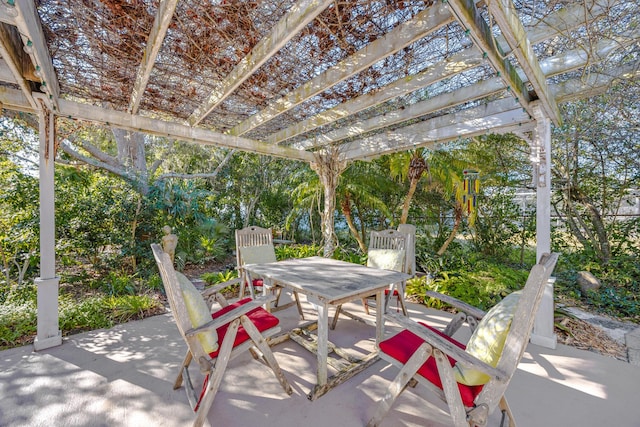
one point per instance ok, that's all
(543, 330)
(48, 333)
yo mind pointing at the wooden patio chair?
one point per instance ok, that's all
(214, 338)
(254, 245)
(471, 379)
(389, 250)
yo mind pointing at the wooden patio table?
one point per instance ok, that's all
(327, 282)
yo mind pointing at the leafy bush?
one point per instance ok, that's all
(17, 324)
(118, 284)
(18, 321)
(620, 278)
(297, 251)
(213, 278)
(482, 286)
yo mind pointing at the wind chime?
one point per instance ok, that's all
(471, 188)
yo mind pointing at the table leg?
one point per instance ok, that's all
(323, 338)
(379, 317)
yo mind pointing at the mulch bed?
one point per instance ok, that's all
(585, 336)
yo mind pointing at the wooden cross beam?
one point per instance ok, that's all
(166, 8)
(478, 30)
(503, 12)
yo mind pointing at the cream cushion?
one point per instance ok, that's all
(487, 341)
(386, 259)
(199, 313)
(258, 254)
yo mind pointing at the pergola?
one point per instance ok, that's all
(321, 81)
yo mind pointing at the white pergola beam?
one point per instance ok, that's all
(300, 15)
(579, 58)
(174, 130)
(419, 109)
(6, 75)
(16, 100)
(403, 35)
(593, 83)
(457, 63)
(492, 117)
(507, 19)
(477, 28)
(566, 62)
(165, 12)
(554, 25)
(28, 23)
(563, 20)
(13, 62)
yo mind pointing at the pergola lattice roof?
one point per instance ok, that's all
(290, 78)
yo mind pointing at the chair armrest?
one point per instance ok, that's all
(447, 347)
(231, 315)
(219, 286)
(456, 303)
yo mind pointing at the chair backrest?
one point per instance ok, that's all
(410, 231)
(176, 300)
(391, 241)
(521, 328)
(254, 237)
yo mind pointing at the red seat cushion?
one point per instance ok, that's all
(258, 283)
(258, 316)
(402, 346)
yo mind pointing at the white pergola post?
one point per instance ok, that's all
(543, 329)
(48, 333)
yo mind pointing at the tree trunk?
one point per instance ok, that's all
(407, 201)
(328, 168)
(417, 166)
(454, 231)
(346, 211)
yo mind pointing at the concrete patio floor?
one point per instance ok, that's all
(123, 377)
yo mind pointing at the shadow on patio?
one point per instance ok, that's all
(123, 377)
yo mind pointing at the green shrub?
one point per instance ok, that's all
(297, 251)
(87, 314)
(215, 277)
(118, 284)
(18, 324)
(482, 286)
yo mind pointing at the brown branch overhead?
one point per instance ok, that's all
(301, 14)
(406, 33)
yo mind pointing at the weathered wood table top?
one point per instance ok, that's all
(325, 282)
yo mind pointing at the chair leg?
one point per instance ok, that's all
(365, 305)
(278, 293)
(334, 322)
(267, 354)
(402, 304)
(450, 389)
(400, 383)
(297, 298)
(185, 364)
(504, 405)
(215, 375)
